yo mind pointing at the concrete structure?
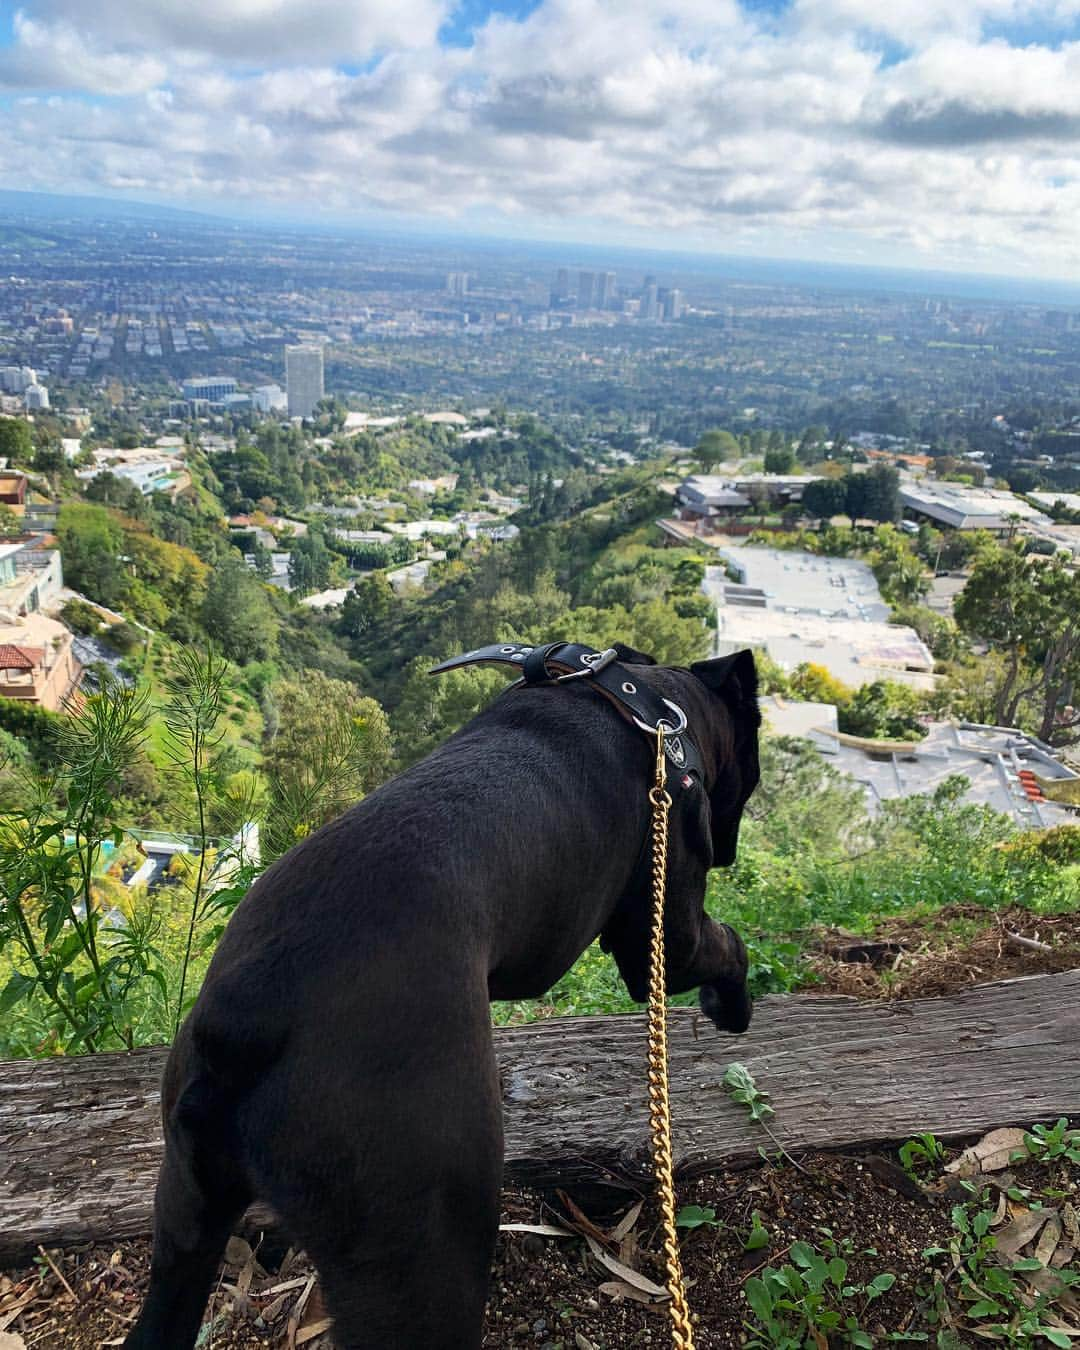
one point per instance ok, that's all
(1048, 500)
(37, 663)
(304, 378)
(214, 389)
(31, 577)
(800, 607)
(457, 284)
(36, 398)
(270, 398)
(1006, 769)
(966, 508)
(1002, 765)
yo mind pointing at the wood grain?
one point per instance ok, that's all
(80, 1139)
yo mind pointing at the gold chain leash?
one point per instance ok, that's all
(659, 1108)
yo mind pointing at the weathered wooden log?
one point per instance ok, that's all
(80, 1139)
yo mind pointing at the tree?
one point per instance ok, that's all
(714, 447)
(332, 747)
(310, 564)
(825, 498)
(897, 568)
(1028, 611)
(237, 614)
(16, 441)
(92, 545)
(882, 489)
(433, 707)
(781, 460)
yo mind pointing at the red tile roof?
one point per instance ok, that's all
(20, 658)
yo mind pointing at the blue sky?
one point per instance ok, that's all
(904, 132)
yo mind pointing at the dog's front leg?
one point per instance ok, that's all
(718, 966)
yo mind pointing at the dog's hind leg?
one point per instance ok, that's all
(386, 1168)
(200, 1194)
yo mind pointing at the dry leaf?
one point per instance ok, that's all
(315, 1329)
(1071, 1220)
(626, 1222)
(1002, 1207)
(1048, 1240)
(583, 1342)
(619, 1289)
(543, 1229)
(993, 1152)
(646, 1286)
(10, 1341)
(1024, 1226)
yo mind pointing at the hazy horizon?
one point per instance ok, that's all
(854, 132)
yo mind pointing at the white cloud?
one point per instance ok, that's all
(688, 119)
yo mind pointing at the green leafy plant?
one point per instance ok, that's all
(809, 1301)
(740, 1083)
(695, 1216)
(1046, 1142)
(988, 1291)
(758, 1236)
(921, 1155)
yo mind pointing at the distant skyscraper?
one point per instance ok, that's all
(587, 290)
(650, 301)
(674, 304)
(457, 283)
(303, 379)
(563, 289)
(607, 289)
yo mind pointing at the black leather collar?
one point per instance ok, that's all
(559, 662)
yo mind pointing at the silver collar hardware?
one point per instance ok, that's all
(592, 661)
(668, 728)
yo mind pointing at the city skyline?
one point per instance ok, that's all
(902, 136)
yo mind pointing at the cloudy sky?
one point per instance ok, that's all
(937, 133)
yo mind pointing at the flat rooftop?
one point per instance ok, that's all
(807, 583)
(800, 607)
(1069, 500)
(967, 508)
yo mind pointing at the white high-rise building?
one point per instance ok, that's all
(304, 378)
(17, 379)
(36, 398)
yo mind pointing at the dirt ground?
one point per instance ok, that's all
(561, 1292)
(555, 1292)
(944, 952)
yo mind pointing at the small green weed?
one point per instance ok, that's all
(809, 1301)
(1047, 1142)
(989, 1293)
(921, 1155)
(694, 1216)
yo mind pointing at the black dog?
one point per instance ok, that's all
(338, 1062)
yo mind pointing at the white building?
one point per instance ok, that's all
(36, 398)
(968, 508)
(17, 379)
(800, 607)
(304, 378)
(270, 398)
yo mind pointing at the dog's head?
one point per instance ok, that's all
(731, 727)
(732, 680)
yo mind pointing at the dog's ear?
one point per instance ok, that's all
(631, 656)
(734, 680)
